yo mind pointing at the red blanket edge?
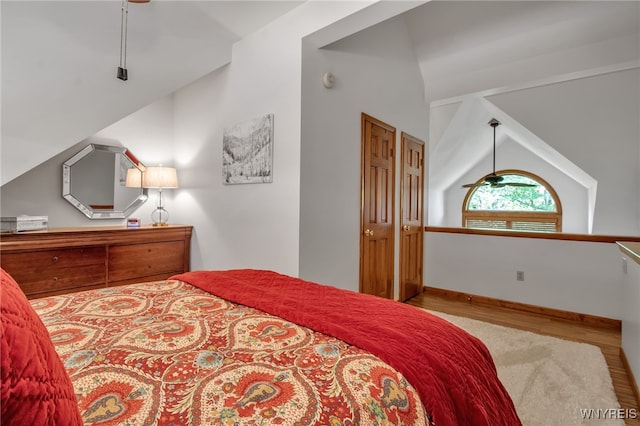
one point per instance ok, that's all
(452, 371)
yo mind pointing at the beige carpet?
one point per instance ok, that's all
(551, 381)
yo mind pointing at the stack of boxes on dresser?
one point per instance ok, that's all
(24, 223)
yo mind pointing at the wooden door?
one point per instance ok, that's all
(412, 224)
(377, 231)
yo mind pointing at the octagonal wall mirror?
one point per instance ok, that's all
(100, 181)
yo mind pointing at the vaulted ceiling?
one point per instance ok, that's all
(473, 46)
(59, 58)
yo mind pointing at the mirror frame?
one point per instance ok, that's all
(87, 210)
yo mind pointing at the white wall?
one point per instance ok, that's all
(631, 315)
(584, 277)
(257, 225)
(240, 226)
(376, 73)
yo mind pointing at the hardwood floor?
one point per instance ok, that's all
(606, 338)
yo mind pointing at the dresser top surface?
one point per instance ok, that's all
(118, 228)
(94, 235)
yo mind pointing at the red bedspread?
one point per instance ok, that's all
(170, 354)
(452, 371)
(35, 389)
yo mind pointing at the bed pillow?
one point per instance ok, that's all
(35, 389)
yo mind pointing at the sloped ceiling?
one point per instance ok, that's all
(467, 47)
(60, 58)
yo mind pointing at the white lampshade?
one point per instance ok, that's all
(160, 177)
(134, 178)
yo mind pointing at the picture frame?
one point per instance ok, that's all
(247, 151)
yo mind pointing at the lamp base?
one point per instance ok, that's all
(160, 217)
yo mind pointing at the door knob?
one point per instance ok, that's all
(406, 228)
(368, 232)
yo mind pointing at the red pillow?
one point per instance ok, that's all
(35, 389)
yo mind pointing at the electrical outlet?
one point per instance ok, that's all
(520, 275)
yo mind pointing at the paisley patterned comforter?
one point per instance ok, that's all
(169, 353)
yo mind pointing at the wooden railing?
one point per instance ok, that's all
(542, 235)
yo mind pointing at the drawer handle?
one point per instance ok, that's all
(55, 278)
(55, 258)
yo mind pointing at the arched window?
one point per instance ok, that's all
(533, 208)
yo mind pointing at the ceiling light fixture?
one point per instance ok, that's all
(122, 69)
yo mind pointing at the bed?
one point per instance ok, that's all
(239, 347)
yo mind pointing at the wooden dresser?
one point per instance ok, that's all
(65, 260)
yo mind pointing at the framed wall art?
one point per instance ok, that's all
(247, 151)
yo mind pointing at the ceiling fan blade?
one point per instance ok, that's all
(519, 184)
(499, 184)
(473, 185)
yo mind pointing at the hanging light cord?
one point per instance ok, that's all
(122, 69)
(494, 147)
(123, 34)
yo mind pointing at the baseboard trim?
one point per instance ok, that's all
(587, 319)
(632, 379)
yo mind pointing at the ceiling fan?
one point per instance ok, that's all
(494, 180)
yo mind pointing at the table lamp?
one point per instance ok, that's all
(160, 178)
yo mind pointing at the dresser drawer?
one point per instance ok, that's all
(65, 280)
(49, 271)
(138, 261)
(64, 260)
(58, 258)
